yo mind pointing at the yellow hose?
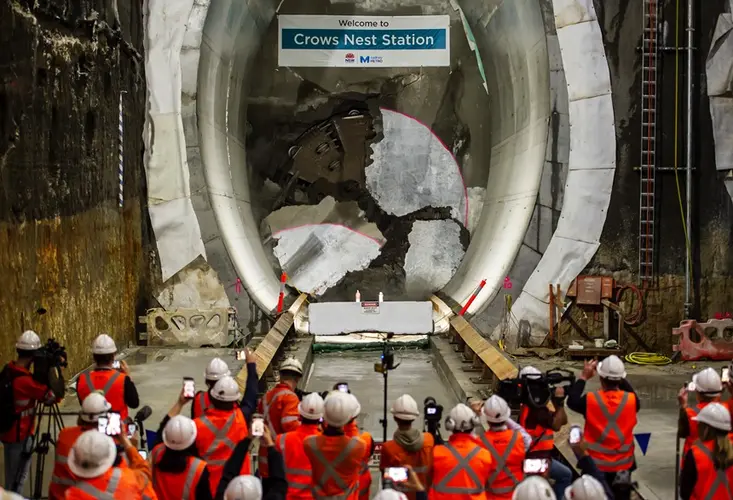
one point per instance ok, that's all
(648, 358)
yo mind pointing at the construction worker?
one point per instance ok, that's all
(461, 467)
(408, 447)
(93, 407)
(18, 424)
(351, 429)
(507, 448)
(297, 468)
(279, 407)
(610, 418)
(336, 459)
(250, 488)
(116, 385)
(91, 461)
(708, 388)
(220, 429)
(215, 371)
(586, 488)
(534, 488)
(588, 467)
(542, 423)
(707, 470)
(177, 473)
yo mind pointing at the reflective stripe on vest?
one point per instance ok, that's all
(193, 467)
(63, 481)
(108, 493)
(329, 471)
(266, 407)
(611, 425)
(721, 476)
(88, 378)
(305, 474)
(501, 464)
(220, 437)
(202, 402)
(463, 465)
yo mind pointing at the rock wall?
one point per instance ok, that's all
(73, 263)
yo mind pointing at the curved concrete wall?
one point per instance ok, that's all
(511, 39)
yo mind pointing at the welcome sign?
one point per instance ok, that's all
(363, 41)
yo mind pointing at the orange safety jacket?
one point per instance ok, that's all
(279, 408)
(712, 484)
(201, 403)
(693, 434)
(111, 383)
(176, 486)
(461, 470)
(610, 418)
(507, 452)
(365, 478)
(218, 432)
(543, 439)
(298, 470)
(394, 455)
(115, 484)
(336, 462)
(62, 477)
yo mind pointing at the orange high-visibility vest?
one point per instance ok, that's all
(610, 418)
(712, 484)
(279, 408)
(365, 478)
(298, 470)
(111, 383)
(116, 483)
(62, 477)
(693, 435)
(461, 470)
(394, 455)
(219, 432)
(201, 403)
(543, 439)
(336, 464)
(176, 486)
(507, 452)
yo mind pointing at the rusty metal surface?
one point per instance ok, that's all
(716, 340)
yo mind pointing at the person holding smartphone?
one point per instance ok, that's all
(588, 468)
(708, 389)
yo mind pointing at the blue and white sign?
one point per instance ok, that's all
(364, 41)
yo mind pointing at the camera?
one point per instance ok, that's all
(47, 364)
(432, 415)
(534, 390)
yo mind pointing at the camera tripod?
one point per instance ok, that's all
(386, 364)
(40, 446)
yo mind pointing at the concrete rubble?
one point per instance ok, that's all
(434, 255)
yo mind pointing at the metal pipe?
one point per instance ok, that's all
(688, 166)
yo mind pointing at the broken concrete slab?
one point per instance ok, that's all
(196, 286)
(433, 257)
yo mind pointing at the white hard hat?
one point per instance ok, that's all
(461, 419)
(338, 409)
(715, 415)
(355, 404)
(530, 371)
(244, 488)
(92, 455)
(9, 495)
(216, 369)
(179, 433)
(405, 408)
(104, 344)
(292, 365)
(534, 488)
(612, 368)
(94, 406)
(585, 488)
(708, 382)
(311, 407)
(28, 341)
(389, 494)
(496, 410)
(226, 390)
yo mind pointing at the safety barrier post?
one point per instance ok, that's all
(473, 297)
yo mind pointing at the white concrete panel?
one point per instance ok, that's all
(569, 12)
(584, 57)
(592, 147)
(402, 318)
(587, 195)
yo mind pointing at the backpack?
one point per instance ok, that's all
(8, 415)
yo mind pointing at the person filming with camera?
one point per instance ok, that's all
(114, 383)
(21, 391)
(610, 417)
(708, 389)
(541, 422)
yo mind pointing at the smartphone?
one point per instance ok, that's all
(116, 364)
(343, 387)
(725, 375)
(143, 454)
(397, 474)
(240, 355)
(258, 426)
(575, 434)
(189, 388)
(431, 411)
(110, 425)
(102, 424)
(131, 428)
(691, 387)
(536, 465)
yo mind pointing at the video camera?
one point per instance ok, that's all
(534, 390)
(47, 364)
(432, 415)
